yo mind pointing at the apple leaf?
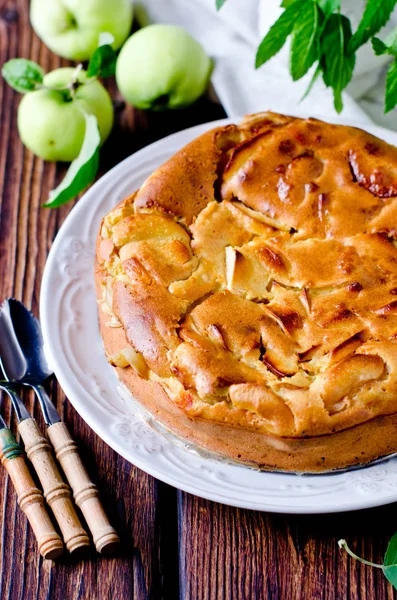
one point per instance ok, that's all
(102, 62)
(82, 170)
(389, 566)
(390, 561)
(22, 75)
(219, 4)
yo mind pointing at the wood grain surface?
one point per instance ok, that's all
(173, 545)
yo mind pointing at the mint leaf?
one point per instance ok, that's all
(389, 46)
(329, 6)
(102, 62)
(305, 46)
(219, 4)
(287, 3)
(316, 74)
(337, 65)
(22, 75)
(277, 35)
(379, 47)
(390, 561)
(82, 170)
(376, 15)
(391, 87)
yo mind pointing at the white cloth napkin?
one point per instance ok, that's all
(231, 37)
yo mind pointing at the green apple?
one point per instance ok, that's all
(71, 28)
(162, 66)
(51, 123)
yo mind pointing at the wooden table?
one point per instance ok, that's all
(173, 545)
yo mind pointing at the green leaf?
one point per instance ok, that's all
(305, 46)
(379, 47)
(82, 170)
(337, 65)
(329, 6)
(391, 574)
(391, 552)
(219, 4)
(391, 87)
(277, 35)
(376, 15)
(316, 75)
(23, 75)
(389, 566)
(389, 46)
(287, 3)
(102, 62)
(391, 39)
(390, 561)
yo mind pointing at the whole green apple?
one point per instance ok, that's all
(71, 28)
(50, 122)
(162, 66)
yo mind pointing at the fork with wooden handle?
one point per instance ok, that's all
(85, 492)
(56, 492)
(30, 498)
(23, 361)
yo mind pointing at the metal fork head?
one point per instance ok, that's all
(17, 403)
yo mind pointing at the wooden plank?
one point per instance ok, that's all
(143, 510)
(223, 552)
(228, 553)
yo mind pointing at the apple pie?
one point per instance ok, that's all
(248, 293)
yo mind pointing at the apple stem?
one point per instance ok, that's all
(76, 72)
(74, 84)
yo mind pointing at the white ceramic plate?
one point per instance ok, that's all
(75, 351)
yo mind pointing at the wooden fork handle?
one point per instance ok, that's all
(56, 491)
(85, 492)
(30, 498)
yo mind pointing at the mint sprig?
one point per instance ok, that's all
(82, 170)
(389, 566)
(322, 34)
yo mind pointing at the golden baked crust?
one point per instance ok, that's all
(254, 278)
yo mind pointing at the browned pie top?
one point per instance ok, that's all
(255, 276)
